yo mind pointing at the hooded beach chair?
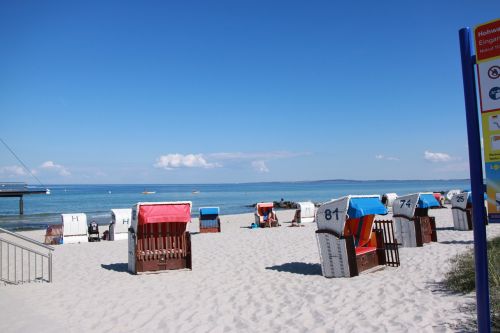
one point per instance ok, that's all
(158, 239)
(265, 215)
(414, 227)
(388, 199)
(305, 212)
(348, 244)
(439, 198)
(209, 219)
(461, 207)
(54, 234)
(120, 222)
(73, 229)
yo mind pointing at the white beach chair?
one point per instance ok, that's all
(120, 222)
(413, 225)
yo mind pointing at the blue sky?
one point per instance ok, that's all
(233, 91)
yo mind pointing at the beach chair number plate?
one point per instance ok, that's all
(329, 213)
(405, 202)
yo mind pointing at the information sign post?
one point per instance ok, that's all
(487, 44)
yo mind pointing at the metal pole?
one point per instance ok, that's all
(476, 177)
(50, 266)
(21, 205)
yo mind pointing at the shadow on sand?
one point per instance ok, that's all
(121, 267)
(298, 268)
(457, 242)
(445, 228)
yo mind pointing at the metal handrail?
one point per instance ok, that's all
(32, 241)
(24, 265)
(24, 248)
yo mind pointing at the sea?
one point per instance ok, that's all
(96, 201)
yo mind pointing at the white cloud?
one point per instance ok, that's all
(12, 170)
(214, 160)
(260, 166)
(387, 158)
(175, 161)
(437, 157)
(50, 165)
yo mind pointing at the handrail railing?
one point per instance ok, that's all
(16, 264)
(32, 241)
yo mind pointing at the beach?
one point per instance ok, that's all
(243, 280)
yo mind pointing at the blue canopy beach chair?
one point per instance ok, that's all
(209, 219)
(348, 243)
(414, 226)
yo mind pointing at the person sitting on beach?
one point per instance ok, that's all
(265, 216)
(272, 218)
(296, 218)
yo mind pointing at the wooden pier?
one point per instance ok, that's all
(18, 190)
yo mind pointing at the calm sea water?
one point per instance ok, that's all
(97, 200)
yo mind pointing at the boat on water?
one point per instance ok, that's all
(148, 192)
(195, 192)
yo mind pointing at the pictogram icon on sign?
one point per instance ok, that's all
(495, 93)
(494, 72)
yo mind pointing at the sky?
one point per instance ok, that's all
(233, 91)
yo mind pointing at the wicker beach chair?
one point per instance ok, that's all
(414, 227)
(120, 222)
(348, 243)
(305, 213)
(461, 207)
(158, 239)
(209, 219)
(265, 215)
(73, 229)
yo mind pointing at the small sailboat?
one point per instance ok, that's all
(148, 192)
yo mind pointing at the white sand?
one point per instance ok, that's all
(243, 280)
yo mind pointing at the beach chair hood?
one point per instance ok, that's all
(159, 212)
(389, 198)
(461, 200)
(427, 200)
(75, 228)
(74, 224)
(209, 211)
(405, 205)
(121, 218)
(333, 215)
(359, 207)
(307, 211)
(264, 205)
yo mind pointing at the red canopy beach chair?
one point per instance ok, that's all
(158, 239)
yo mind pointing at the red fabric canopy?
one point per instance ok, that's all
(265, 204)
(164, 213)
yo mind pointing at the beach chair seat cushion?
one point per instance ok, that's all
(365, 249)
